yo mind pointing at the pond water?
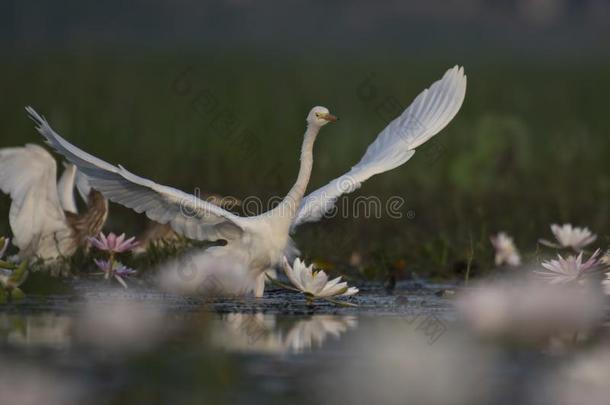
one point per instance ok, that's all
(111, 345)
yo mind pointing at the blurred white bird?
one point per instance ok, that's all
(261, 241)
(43, 213)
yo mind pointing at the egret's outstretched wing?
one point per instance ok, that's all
(65, 188)
(82, 185)
(429, 113)
(187, 214)
(28, 175)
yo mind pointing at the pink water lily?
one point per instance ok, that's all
(113, 243)
(570, 269)
(103, 265)
(115, 269)
(123, 271)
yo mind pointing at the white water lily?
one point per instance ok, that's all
(570, 269)
(315, 283)
(506, 251)
(570, 237)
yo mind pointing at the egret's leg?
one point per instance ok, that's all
(259, 288)
(271, 272)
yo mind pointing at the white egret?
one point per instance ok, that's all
(259, 242)
(43, 214)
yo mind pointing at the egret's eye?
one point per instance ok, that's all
(317, 115)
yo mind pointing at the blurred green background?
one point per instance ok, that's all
(213, 95)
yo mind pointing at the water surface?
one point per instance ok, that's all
(111, 345)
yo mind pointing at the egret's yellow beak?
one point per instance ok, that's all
(329, 117)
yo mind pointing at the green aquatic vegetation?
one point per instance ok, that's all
(160, 250)
(11, 280)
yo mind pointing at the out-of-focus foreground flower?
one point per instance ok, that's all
(570, 237)
(583, 380)
(22, 383)
(315, 284)
(506, 251)
(391, 362)
(606, 284)
(530, 311)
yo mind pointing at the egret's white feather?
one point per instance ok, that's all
(65, 188)
(82, 185)
(28, 175)
(187, 214)
(215, 272)
(427, 115)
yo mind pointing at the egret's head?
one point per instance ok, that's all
(320, 116)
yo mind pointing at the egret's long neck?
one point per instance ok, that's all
(289, 205)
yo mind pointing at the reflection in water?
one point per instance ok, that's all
(121, 325)
(41, 330)
(388, 359)
(130, 326)
(312, 332)
(265, 333)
